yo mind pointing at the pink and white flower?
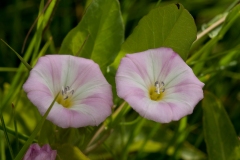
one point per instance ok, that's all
(158, 84)
(85, 96)
(35, 152)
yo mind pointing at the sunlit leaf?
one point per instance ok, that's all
(67, 151)
(99, 34)
(220, 136)
(169, 26)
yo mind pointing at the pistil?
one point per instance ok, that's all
(156, 92)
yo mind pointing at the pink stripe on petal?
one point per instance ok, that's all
(139, 103)
(136, 97)
(49, 67)
(179, 109)
(35, 84)
(190, 94)
(127, 87)
(81, 71)
(132, 71)
(162, 60)
(137, 65)
(98, 97)
(41, 100)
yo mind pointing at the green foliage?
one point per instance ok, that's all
(220, 136)
(22, 60)
(162, 27)
(98, 35)
(95, 29)
(67, 151)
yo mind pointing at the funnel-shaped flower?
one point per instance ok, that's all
(158, 84)
(35, 152)
(85, 96)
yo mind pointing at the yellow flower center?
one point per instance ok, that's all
(156, 91)
(65, 98)
(67, 103)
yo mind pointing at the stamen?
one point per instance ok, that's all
(67, 88)
(159, 88)
(62, 91)
(66, 92)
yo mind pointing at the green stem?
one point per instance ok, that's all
(6, 136)
(132, 122)
(20, 136)
(15, 125)
(210, 28)
(99, 131)
(131, 138)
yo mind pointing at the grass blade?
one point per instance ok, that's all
(15, 125)
(6, 136)
(22, 60)
(35, 132)
(20, 136)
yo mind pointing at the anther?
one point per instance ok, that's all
(157, 85)
(159, 88)
(66, 92)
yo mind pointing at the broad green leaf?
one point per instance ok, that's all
(67, 151)
(99, 34)
(169, 26)
(220, 136)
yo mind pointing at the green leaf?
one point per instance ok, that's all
(169, 26)
(220, 136)
(67, 151)
(99, 34)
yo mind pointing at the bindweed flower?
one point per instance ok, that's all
(35, 152)
(85, 96)
(158, 84)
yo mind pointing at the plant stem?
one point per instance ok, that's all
(210, 28)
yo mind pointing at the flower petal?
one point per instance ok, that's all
(35, 152)
(138, 72)
(92, 96)
(183, 99)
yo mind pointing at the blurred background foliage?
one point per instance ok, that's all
(219, 69)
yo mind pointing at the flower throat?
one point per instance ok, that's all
(65, 98)
(156, 92)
